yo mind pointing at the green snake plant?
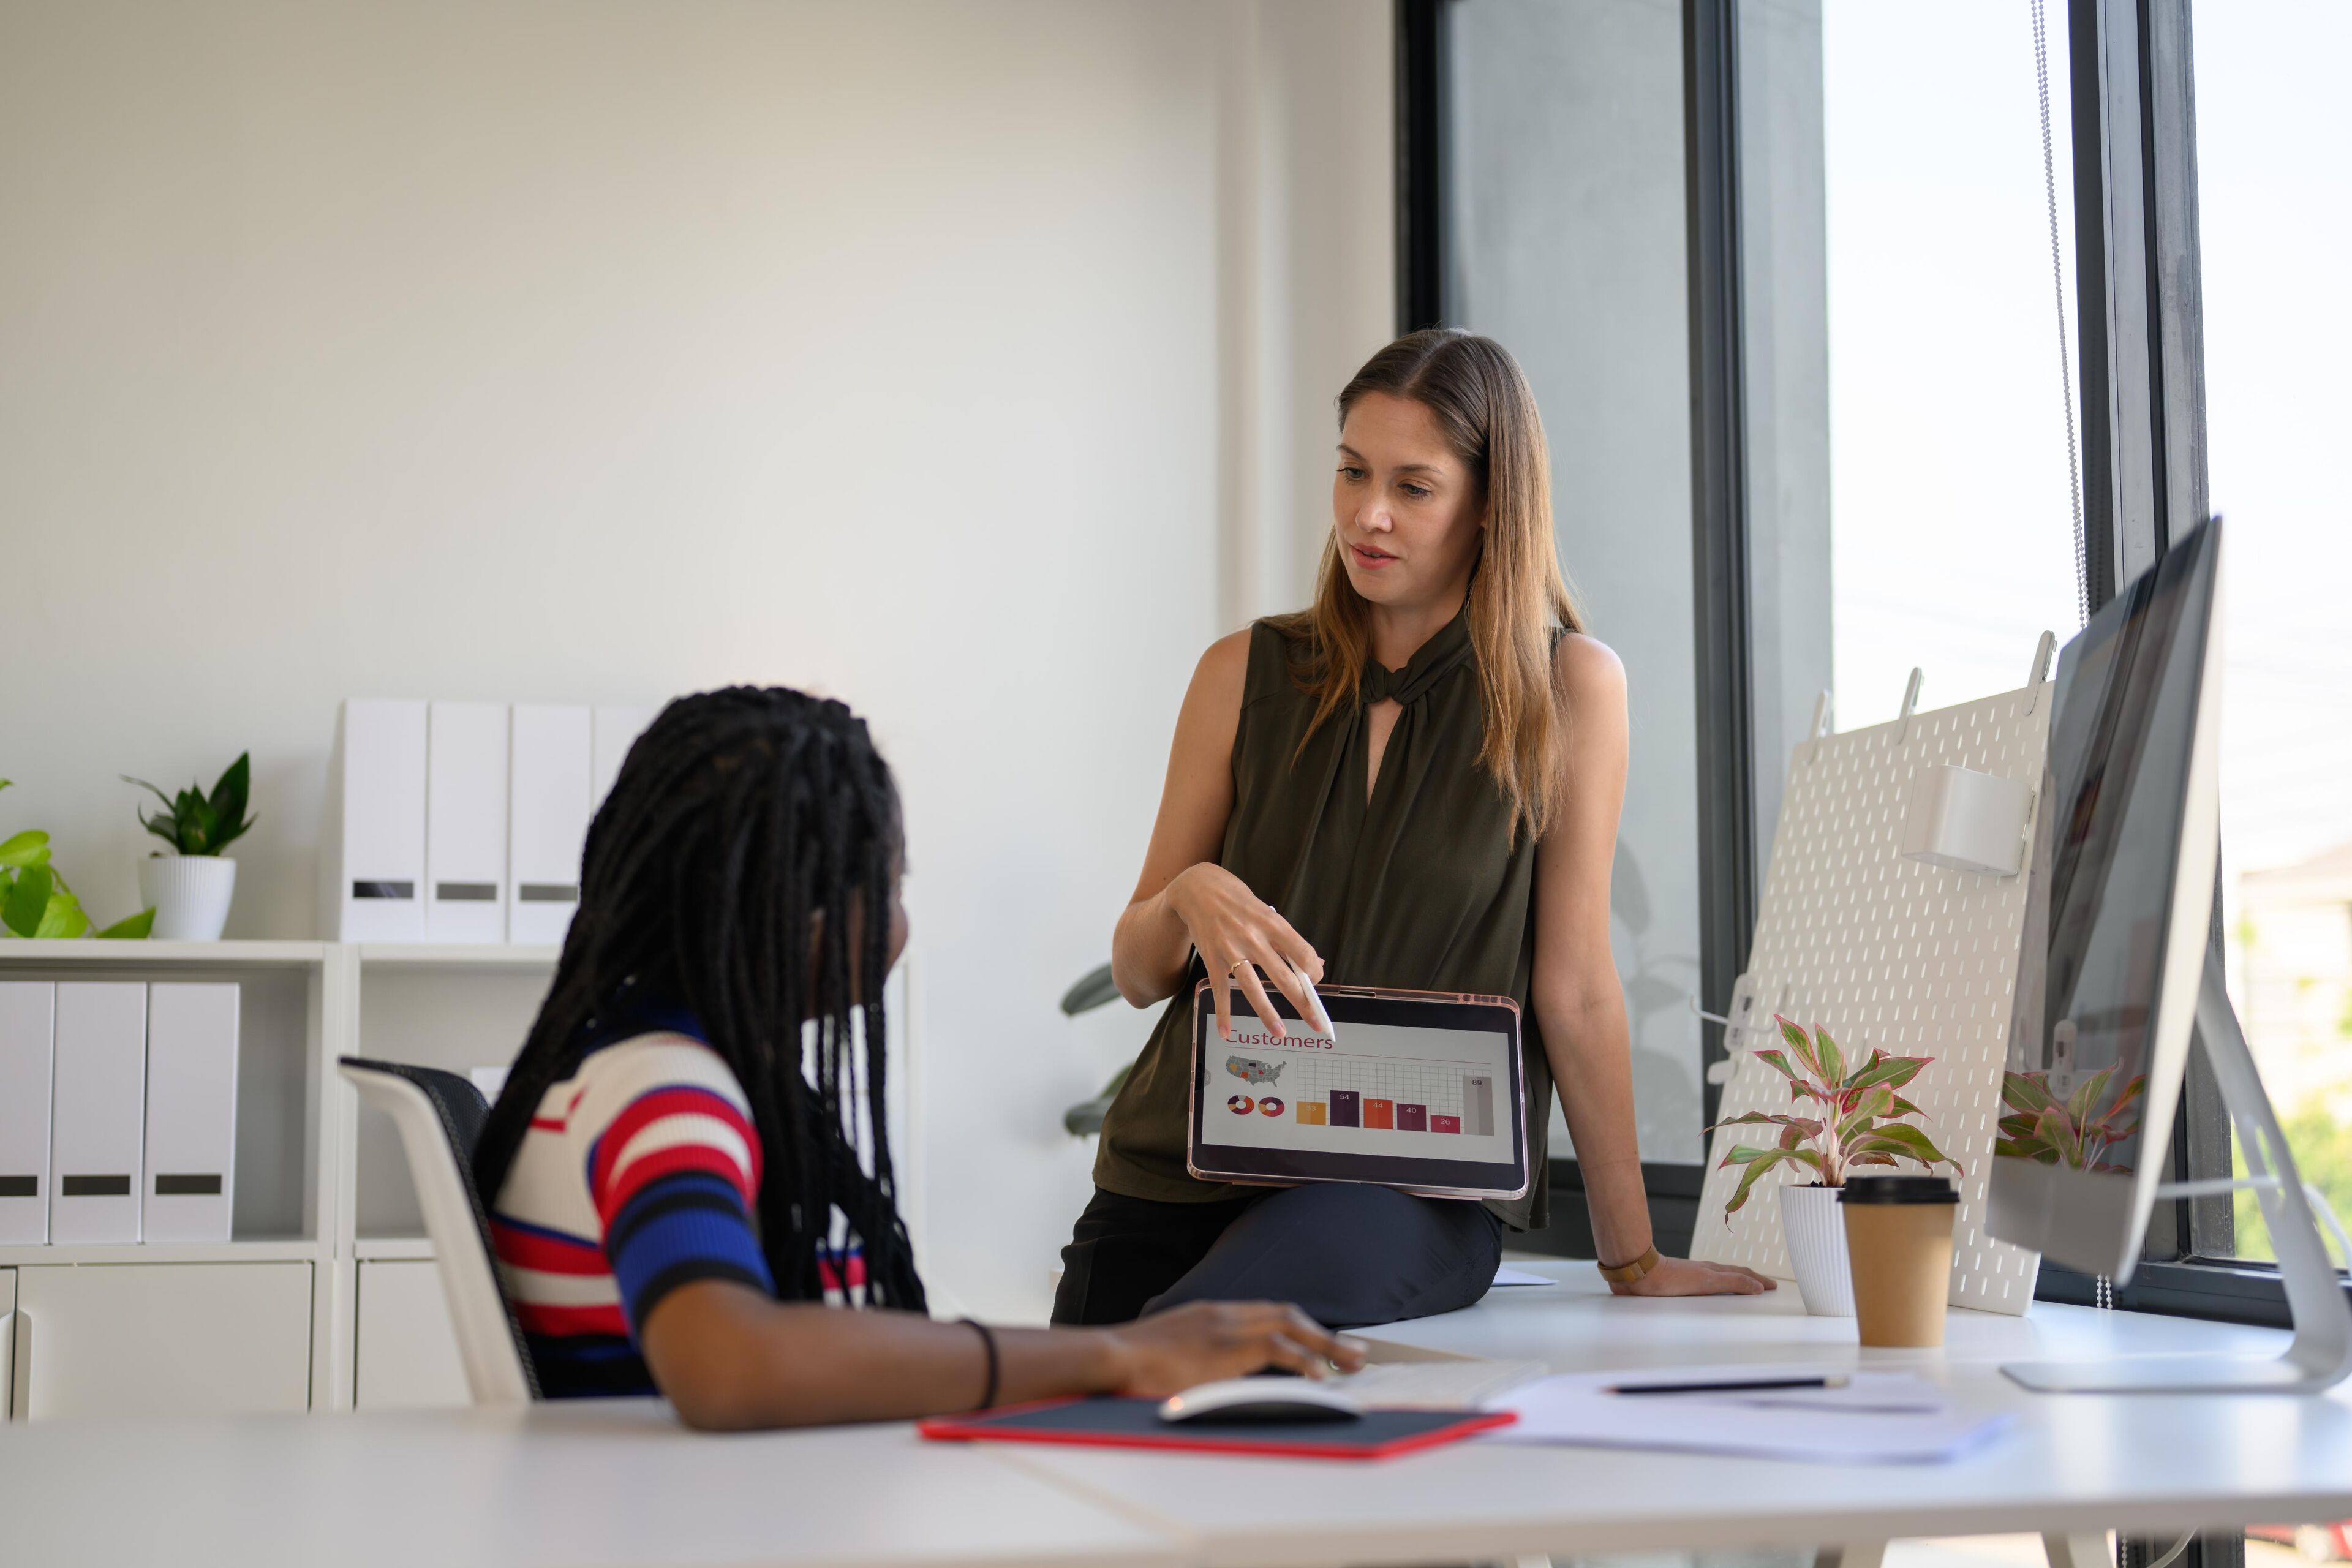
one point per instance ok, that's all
(193, 823)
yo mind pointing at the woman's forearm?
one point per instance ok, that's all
(730, 1358)
(1151, 944)
(1149, 947)
(1591, 1052)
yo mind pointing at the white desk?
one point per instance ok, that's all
(2149, 1464)
(622, 1483)
(575, 1484)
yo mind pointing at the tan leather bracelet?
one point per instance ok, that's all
(1626, 1273)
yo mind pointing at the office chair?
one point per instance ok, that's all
(439, 1116)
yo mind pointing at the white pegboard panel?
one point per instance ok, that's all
(1918, 960)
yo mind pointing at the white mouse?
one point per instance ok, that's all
(1260, 1399)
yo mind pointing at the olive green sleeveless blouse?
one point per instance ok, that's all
(1422, 888)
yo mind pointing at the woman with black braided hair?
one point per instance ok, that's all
(677, 1152)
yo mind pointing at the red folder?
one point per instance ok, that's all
(1113, 1422)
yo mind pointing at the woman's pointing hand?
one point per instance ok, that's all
(1237, 934)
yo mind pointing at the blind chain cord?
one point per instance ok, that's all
(2058, 289)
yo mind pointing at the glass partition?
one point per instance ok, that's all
(1564, 239)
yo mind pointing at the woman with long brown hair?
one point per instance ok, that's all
(1413, 784)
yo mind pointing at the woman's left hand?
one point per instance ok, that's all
(1688, 1277)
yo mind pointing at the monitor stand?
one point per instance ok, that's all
(2321, 1352)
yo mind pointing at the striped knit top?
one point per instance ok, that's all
(639, 1173)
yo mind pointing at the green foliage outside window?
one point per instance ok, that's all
(2323, 1154)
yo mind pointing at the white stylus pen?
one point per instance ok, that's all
(1322, 1018)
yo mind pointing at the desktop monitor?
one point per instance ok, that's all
(2116, 921)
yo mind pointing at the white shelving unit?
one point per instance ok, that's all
(323, 1198)
(450, 955)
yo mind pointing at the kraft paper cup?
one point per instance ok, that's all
(1898, 1242)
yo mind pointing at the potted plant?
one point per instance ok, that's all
(191, 887)
(2074, 1130)
(35, 901)
(1843, 1117)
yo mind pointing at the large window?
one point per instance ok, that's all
(1892, 324)
(1950, 502)
(2276, 194)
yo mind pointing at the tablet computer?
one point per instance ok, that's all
(1417, 1090)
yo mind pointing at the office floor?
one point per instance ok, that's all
(1957, 1552)
(1968, 1552)
(2272, 1555)
(1953, 1552)
(2025, 1551)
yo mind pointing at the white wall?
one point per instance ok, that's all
(1308, 267)
(518, 349)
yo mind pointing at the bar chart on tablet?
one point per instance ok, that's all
(1395, 1094)
(1378, 1088)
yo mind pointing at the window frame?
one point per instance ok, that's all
(1729, 849)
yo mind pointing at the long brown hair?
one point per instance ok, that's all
(1487, 412)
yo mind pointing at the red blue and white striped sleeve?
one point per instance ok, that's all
(673, 1168)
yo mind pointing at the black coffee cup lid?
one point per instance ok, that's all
(1897, 1190)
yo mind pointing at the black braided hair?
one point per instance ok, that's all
(748, 830)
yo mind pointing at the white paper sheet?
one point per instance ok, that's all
(1506, 1274)
(1829, 1426)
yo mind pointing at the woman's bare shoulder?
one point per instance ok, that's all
(1587, 669)
(1219, 678)
(1227, 659)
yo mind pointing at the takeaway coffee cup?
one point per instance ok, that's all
(1898, 1241)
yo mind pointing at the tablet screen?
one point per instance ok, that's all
(1412, 1090)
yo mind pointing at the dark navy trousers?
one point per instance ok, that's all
(1345, 1255)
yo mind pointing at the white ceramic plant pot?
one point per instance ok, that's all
(1814, 1229)
(190, 894)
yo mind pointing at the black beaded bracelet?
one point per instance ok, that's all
(988, 1339)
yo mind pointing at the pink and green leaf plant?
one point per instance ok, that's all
(1842, 1115)
(2042, 1127)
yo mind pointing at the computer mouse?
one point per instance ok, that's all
(1266, 1399)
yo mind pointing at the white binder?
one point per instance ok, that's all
(547, 818)
(372, 855)
(617, 729)
(465, 822)
(99, 1093)
(191, 1153)
(27, 1025)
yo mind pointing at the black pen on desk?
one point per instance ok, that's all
(1754, 1385)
